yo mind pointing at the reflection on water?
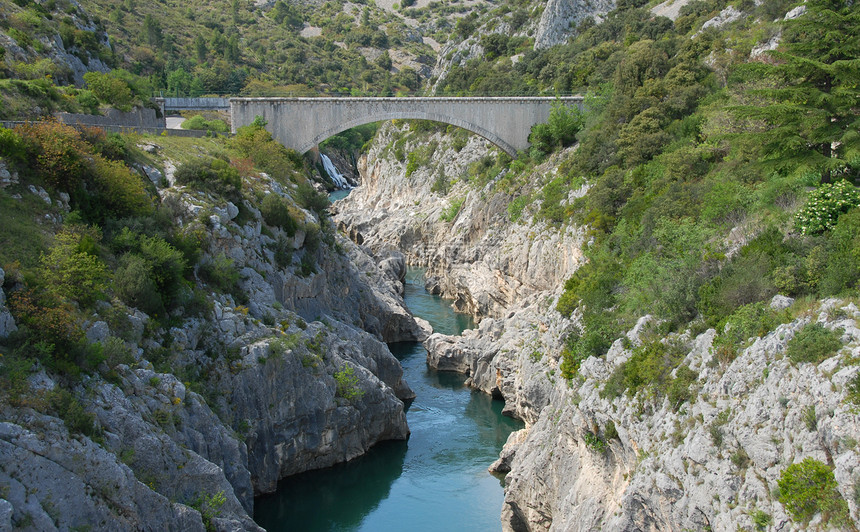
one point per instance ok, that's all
(365, 482)
(437, 480)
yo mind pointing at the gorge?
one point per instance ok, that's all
(663, 280)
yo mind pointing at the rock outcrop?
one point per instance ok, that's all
(314, 425)
(7, 322)
(54, 481)
(560, 17)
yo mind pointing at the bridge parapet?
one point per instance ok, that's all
(193, 104)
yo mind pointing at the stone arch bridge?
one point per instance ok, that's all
(302, 123)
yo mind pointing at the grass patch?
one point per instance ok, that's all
(813, 343)
(21, 238)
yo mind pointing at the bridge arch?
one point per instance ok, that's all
(302, 123)
(478, 130)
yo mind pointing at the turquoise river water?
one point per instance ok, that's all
(436, 481)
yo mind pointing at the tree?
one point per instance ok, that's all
(179, 82)
(810, 487)
(71, 269)
(807, 110)
(200, 48)
(110, 90)
(152, 31)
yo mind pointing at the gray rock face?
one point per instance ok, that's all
(173, 439)
(56, 482)
(314, 425)
(560, 16)
(327, 392)
(7, 178)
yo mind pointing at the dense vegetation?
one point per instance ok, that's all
(225, 47)
(698, 174)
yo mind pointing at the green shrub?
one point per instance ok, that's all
(441, 184)
(813, 343)
(749, 321)
(115, 352)
(761, 520)
(852, 395)
(276, 213)
(212, 175)
(52, 332)
(412, 163)
(12, 146)
(307, 266)
(839, 269)
(309, 198)
(197, 122)
(347, 384)
(67, 407)
(571, 357)
(71, 271)
(650, 368)
(283, 251)
(221, 273)
(810, 419)
(111, 146)
(610, 432)
(57, 153)
(740, 458)
(809, 488)
(552, 195)
(824, 206)
(110, 90)
(517, 206)
(594, 442)
(166, 262)
(279, 346)
(451, 211)
(272, 157)
(715, 429)
(679, 391)
(560, 129)
(119, 191)
(134, 285)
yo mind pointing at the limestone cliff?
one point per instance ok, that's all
(560, 17)
(479, 257)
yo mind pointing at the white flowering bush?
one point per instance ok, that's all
(824, 206)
